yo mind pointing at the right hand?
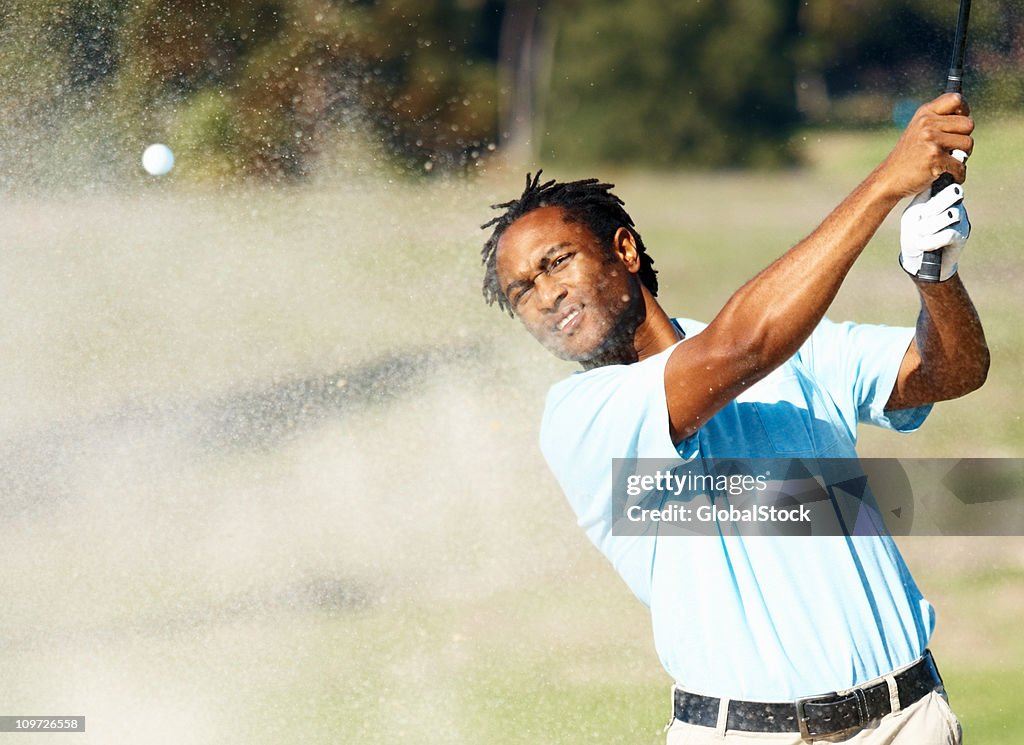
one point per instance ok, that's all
(924, 151)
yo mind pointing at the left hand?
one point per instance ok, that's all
(931, 223)
(927, 148)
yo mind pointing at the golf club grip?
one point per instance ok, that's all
(931, 266)
(931, 262)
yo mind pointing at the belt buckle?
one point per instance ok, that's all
(834, 698)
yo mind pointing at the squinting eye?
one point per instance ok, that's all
(518, 297)
(560, 260)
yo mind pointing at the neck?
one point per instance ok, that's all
(657, 333)
(653, 334)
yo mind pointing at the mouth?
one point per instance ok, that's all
(570, 320)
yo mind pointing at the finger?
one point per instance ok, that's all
(938, 240)
(948, 197)
(954, 168)
(934, 223)
(931, 124)
(917, 203)
(950, 142)
(960, 125)
(943, 161)
(948, 103)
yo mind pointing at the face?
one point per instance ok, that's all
(575, 298)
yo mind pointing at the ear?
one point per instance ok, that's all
(624, 248)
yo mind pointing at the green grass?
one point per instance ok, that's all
(987, 703)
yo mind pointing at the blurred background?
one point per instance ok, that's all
(268, 466)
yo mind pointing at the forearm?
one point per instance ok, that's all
(949, 356)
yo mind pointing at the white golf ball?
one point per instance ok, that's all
(157, 159)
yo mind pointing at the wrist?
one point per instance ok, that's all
(937, 290)
(883, 187)
(948, 270)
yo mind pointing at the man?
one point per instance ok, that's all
(758, 634)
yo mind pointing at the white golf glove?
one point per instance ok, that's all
(930, 223)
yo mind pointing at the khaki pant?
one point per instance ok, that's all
(929, 721)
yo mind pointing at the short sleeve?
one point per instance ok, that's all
(858, 365)
(592, 418)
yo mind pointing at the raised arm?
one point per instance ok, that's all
(765, 321)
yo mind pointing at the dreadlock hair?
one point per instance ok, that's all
(589, 202)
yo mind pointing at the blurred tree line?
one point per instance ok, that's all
(266, 87)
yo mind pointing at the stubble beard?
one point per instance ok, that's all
(618, 347)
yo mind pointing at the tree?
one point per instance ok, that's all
(257, 87)
(265, 88)
(709, 84)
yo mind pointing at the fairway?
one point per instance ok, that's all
(270, 467)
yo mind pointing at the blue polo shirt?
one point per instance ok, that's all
(766, 618)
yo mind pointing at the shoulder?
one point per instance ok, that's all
(612, 411)
(617, 391)
(593, 389)
(583, 394)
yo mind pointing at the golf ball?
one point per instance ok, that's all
(157, 159)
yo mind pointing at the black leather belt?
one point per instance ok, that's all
(833, 716)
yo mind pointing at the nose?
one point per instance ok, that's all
(550, 293)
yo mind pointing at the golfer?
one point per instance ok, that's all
(773, 639)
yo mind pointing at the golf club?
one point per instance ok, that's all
(931, 262)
